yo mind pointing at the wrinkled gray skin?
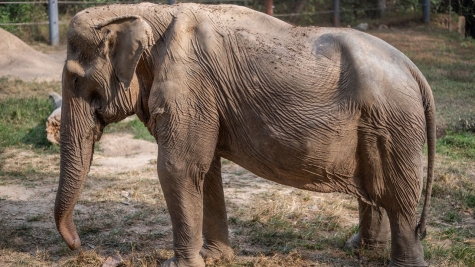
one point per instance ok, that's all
(321, 109)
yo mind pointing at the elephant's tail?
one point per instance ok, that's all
(429, 111)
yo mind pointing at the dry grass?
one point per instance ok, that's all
(124, 215)
(23, 89)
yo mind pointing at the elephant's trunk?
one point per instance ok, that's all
(78, 133)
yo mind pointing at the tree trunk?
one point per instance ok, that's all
(269, 4)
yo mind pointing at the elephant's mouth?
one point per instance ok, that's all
(97, 136)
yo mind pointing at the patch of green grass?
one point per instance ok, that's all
(23, 122)
(463, 254)
(457, 145)
(457, 253)
(457, 234)
(35, 218)
(133, 126)
(452, 217)
(435, 252)
(24, 108)
(131, 218)
(469, 200)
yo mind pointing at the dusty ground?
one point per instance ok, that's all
(116, 153)
(122, 185)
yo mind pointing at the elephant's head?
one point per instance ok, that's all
(99, 87)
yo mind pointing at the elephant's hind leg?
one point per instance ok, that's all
(391, 162)
(406, 248)
(403, 175)
(373, 229)
(215, 227)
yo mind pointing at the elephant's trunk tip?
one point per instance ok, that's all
(74, 244)
(70, 236)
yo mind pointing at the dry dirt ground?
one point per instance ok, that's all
(122, 213)
(122, 194)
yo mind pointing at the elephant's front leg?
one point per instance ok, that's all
(215, 226)
(186, 128)
(182, 186)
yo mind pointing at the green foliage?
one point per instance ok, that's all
(469, 200)
(25, 13)
(38, 13)
(22, 13)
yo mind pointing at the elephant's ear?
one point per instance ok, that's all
(124, 40)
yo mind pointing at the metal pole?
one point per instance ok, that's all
(53, 22)
(426, 11)
(336, 13)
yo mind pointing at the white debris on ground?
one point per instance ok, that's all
(53, 123)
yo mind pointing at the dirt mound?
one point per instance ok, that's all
(18, 60)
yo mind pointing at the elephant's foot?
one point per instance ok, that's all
(406, 247)
(211, 253)
(174, 262)
(355, 242)
(408, 256)
(417, 264)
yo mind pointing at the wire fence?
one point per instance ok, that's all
(29, 19)
(12, 11)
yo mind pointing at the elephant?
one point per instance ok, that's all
(319, 109)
